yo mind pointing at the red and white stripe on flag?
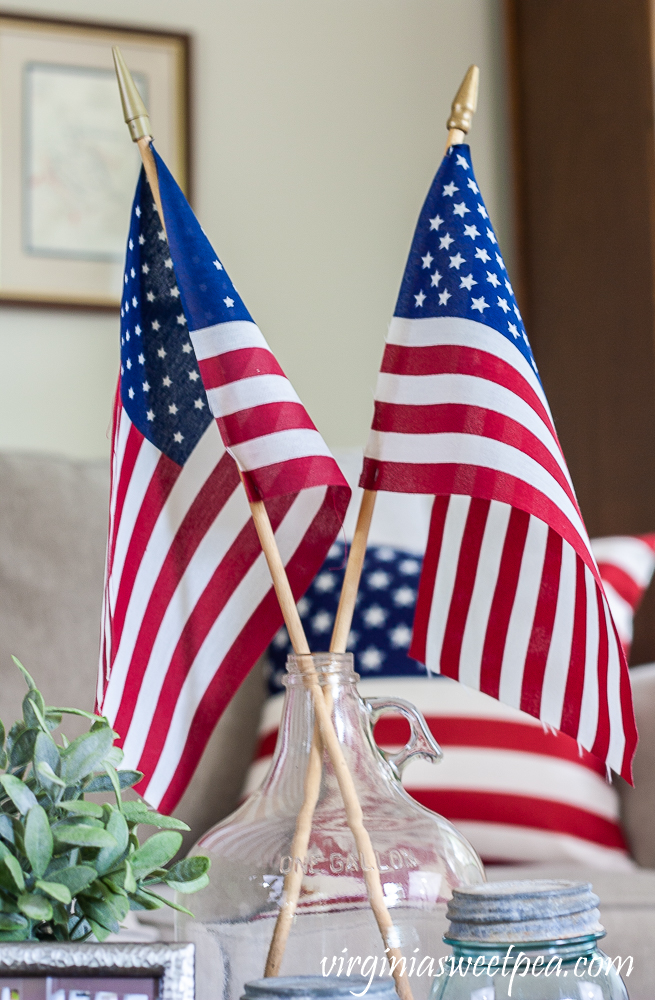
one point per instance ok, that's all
(511, 601)
(261, 419)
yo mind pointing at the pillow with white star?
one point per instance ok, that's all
(518, 791)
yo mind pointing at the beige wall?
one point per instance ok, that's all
(318, 125)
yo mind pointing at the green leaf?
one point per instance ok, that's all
(118, 904)
(46, 771)
(189, 869)
(6, 828)
(193, 885)
(19, 834)
(17, 728)
(34, 710)
(81, 808)
(113, 777)
(129, 882)
(75, 878)
(34, 906)
(46, 752)
(114, 757)
(121, 880)
(38, 840)
(99, 911)
(18, 792)
(2, 734)
(11, 921)
(18, 935)
(14, 869)
(142, 900)
(156, 875)
(167, 902)
(156, 851)
(137, 811)
(61, 916)
(96, 889)
(100, 933)
(53, 719)
(22, 748)
(83, 835)
(85, 754)
(114, 881)
(82, 821)
(102, 782)
(56, 710)
(28, 677)
(55, 889)
(109, 856)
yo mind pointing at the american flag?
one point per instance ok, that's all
(189, 604)
(510, 600)
(519, 791)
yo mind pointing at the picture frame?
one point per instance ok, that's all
(68, 167)
(93, 971)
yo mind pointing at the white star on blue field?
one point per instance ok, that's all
(161, 387)
(382, 624)
(455, 267)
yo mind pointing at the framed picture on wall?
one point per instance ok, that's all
(68, 168)
(92, 971)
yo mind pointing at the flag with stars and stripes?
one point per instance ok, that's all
(510, 600)
(189, 604)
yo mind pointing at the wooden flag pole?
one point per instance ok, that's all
(312, 787)
(458, 124)
(138, 121)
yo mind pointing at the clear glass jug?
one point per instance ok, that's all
(421, 857)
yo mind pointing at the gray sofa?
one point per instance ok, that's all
(53, 522)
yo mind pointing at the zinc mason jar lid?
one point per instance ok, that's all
(318, 988)
(535, 910)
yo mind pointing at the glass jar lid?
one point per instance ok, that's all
(318, 988)
(523, 911)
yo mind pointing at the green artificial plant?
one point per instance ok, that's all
(69, 867)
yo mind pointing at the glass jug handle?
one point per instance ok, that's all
(421, 742)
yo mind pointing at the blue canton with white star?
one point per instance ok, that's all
(161, 388)
(207, 293)
(455, 267)
(382, 623)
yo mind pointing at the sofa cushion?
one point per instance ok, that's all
(638, 802)
(53, 533)
(626, 564)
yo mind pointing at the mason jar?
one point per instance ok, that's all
(529, 940)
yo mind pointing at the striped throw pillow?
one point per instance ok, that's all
(519, 792)
(626, 564)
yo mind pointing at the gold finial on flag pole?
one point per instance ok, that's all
(138, 122)
(463, 107)
(134, 110)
